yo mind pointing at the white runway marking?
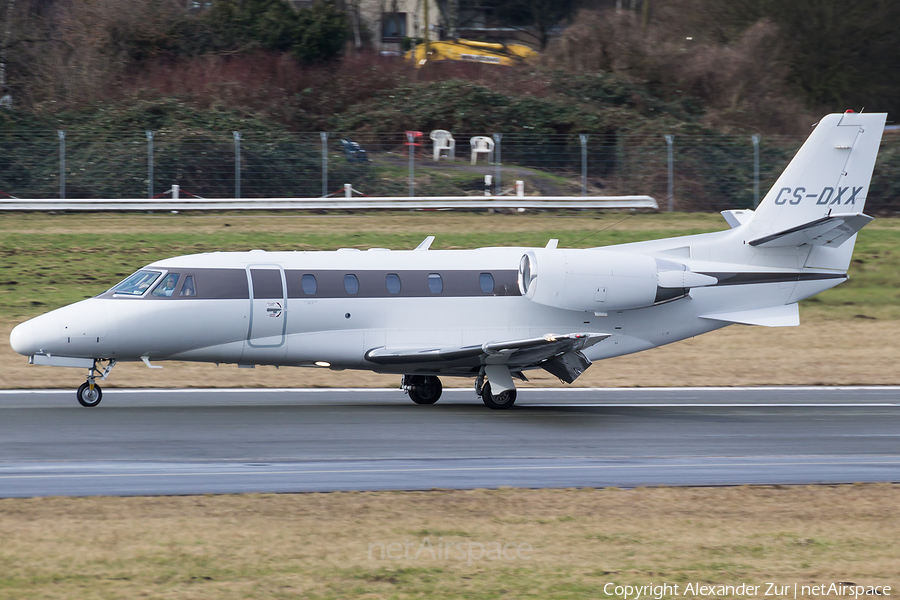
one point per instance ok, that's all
(449, 469)
(721, 405)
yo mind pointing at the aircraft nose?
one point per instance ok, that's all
(30, 337)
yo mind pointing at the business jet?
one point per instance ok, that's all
(491, 314)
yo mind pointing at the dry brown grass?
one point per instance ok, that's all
(317, 545)
(818, 352)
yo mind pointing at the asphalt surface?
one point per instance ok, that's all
(140, 442)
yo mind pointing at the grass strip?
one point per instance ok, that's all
(559, 543)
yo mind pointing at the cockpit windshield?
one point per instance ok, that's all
(137, 284)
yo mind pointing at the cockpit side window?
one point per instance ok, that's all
(188, 288)
(167, 287)
(137, 284)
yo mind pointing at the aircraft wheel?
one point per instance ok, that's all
(425, 389)
(89, 398)
(502, 401)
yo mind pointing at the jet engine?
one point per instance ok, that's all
(597, 280)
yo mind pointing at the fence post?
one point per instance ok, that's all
(150, 164)
(755, 139)
(411, 139)
(323, 135)
(237, 164)
(497, 188)
(584, 139)
(62, 163)
(670, 160)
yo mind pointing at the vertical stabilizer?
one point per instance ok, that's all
(829, 175)
(817, 204)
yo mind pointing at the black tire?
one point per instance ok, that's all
(87, 398)
(424, 389)
(500, 402)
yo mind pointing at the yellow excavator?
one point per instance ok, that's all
(471, 51)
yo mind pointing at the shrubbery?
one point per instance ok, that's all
(122, 66)
(312, 34)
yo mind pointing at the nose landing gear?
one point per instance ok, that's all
(89, 393)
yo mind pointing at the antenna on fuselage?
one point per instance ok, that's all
(426, 243)
(601, 230)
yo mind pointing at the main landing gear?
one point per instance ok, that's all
(422, 389)
(500, 401)
(89, 393)
(426, 389)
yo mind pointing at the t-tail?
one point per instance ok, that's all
(816, 205)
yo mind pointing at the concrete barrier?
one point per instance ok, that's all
(335, 203)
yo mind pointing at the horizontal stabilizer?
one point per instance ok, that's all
(785, 315)
(831, 231)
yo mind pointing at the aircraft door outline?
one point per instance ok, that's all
(268, 312)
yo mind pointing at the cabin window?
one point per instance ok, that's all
(137, 284)
(435, 283)
(486, 281)
(309, 284)
(188, 289)
(167, 287)
(392, 281)
(351, 284)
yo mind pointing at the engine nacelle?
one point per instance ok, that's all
(597, 280)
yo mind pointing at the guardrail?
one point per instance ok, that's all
(339, 203)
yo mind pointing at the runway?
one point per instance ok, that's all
(141, 442)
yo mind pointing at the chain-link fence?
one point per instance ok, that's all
(683, 172)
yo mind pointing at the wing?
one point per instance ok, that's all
(558, 354)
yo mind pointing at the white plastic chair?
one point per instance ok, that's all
(481, 144)
(443, 140)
